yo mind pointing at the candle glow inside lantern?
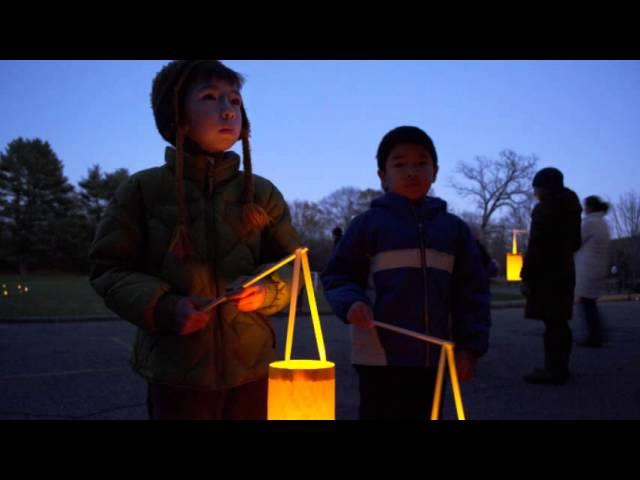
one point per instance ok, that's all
(301, 390)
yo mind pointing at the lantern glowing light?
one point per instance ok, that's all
(301, 390)
(514, 260)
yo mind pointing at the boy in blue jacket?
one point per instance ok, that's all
(408, 263)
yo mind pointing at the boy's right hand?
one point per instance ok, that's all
(360, 315)
(189, 318)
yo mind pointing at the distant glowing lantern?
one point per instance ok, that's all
(514, 266)
(514, 261)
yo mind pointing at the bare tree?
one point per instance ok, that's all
(626, 215)
(342, 205)
(519, 215)
(497, 184)
(308, 220)
(473, 220)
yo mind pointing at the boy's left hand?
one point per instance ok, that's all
(465, 364)
(249, 299)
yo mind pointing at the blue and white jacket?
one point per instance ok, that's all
(426, 273)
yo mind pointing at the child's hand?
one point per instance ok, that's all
(249, 299)
(465, 364)
(189, 318)
(360, 315)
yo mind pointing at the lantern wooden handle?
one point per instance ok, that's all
(410, 333)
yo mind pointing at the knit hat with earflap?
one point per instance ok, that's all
(167, 99)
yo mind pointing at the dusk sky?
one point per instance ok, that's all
(317, 124)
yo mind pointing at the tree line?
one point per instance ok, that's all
(46, 223)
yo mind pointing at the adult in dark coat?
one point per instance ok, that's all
(548, 273)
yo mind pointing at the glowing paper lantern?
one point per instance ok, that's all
(300, 389)
(514, 261)
(514, 265)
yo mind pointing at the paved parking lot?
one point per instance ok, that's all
(79, 370)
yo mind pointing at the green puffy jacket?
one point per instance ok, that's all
(142, 282)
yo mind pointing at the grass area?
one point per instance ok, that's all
(55, 295)
(59, 295)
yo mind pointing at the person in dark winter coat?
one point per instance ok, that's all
(178, 235)
(548, 271)
(427, 275)
(337, 235)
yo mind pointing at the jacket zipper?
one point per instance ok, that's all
(425, 304)
(211, 227)
(210, 232)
